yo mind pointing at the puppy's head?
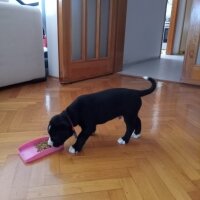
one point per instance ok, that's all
(59, 130)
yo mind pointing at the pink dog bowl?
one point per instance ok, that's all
(29, 152)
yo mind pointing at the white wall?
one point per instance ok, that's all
(144, 29)
(52, 36)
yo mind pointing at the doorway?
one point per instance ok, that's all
(166, 26)
(167, 66)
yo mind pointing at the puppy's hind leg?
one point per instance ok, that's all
(130, 124)
(137, 132)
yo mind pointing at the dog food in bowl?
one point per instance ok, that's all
(42, 146)
(37, 148)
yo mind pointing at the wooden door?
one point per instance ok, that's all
(91, 38)
(191, 67)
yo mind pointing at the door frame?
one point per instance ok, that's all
(64, 45)
(191, 70)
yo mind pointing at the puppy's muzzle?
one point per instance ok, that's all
(50, 143)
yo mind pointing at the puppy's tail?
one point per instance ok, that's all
(149, 90)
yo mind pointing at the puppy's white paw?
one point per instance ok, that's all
(50, 143)
(135, 136)
(72, 150)
(121, 141)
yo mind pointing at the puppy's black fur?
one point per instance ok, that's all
(89, 110)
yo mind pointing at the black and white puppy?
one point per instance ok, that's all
(91, 109)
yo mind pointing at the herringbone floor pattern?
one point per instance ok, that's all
(164, 164)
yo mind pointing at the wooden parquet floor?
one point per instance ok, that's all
(164, 164)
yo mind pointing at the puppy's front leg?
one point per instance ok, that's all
(81, 139)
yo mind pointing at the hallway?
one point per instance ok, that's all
(166, 68)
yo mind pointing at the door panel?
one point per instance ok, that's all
(191, 68)
(87, 37)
